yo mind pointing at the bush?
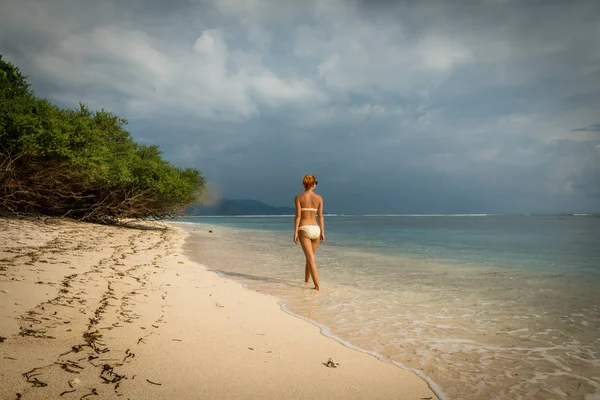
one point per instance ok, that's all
(80, 163)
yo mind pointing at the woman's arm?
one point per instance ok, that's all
(296, 219)
(321, 220)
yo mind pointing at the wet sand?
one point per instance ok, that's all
(119, 312)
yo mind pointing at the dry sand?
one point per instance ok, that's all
(90, 311)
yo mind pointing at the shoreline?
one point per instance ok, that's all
(123, 312)
(371, 300)
(326, 332)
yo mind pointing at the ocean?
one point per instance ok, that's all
(481, 306)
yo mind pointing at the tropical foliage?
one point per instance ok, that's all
(81, 163)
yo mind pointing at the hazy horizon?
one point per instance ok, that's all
(397, 107)
(334, 213)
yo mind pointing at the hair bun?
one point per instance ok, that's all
(308, 181)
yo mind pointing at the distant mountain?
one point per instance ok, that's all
(239, 207)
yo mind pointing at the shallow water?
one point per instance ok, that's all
(485, 307)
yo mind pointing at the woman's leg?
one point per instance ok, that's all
(307, 247)
(306, 272)
(315, 244)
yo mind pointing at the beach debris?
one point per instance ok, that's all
(115, 378)
(129, 355)
(154, 383)
(141, 340)
(69, 365)
(179, 262)
(219, 305)
(4, 291)
(94, 392)
(35, 333)
(331, 363)
(73, 382)
(2, 339)
(210, 231)
(426, 398)
(176, 340)
(93, 339)
(31, 378)
(77, 348)
(68, 391)
(37, 383)
(250, 348)
(19, 396)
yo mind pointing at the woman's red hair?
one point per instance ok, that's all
(308, 181)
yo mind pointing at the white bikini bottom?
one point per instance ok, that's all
(312, 231)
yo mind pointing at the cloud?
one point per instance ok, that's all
(396, 106)
(589, 128)
(357, 57)
(205, 78)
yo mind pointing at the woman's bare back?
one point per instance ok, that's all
(312, 201)
(309, 200)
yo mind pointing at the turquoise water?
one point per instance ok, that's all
(484, 307)
(559, 244)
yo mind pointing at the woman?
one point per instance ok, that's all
(308, 206)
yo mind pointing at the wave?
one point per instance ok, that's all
(428, 215)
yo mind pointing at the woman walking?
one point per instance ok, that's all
(308, 206)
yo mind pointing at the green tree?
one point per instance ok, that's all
(81, 163)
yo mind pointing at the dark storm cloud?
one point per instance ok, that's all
(396, 106)
(589, 128)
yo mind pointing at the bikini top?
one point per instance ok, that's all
(308, 209)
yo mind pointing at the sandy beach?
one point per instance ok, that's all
(119, 312)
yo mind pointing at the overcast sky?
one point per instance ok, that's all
(396, 107)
